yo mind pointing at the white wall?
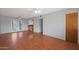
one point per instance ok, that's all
(37, 25)
(5, 24)
(30, 22)
(54, 24)
(25, 24)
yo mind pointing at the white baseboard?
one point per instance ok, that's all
(54, 36)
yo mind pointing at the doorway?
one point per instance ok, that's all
(30, 28)
(72, 27)
(41, 25)
(31, 25)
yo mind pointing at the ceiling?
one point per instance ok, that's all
(26, 12)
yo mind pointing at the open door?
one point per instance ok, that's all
(41, 24)
(71, 27)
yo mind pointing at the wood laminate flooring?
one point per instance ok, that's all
(33, 41)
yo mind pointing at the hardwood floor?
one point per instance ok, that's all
(33, 41)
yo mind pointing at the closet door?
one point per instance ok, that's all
(71, 27)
